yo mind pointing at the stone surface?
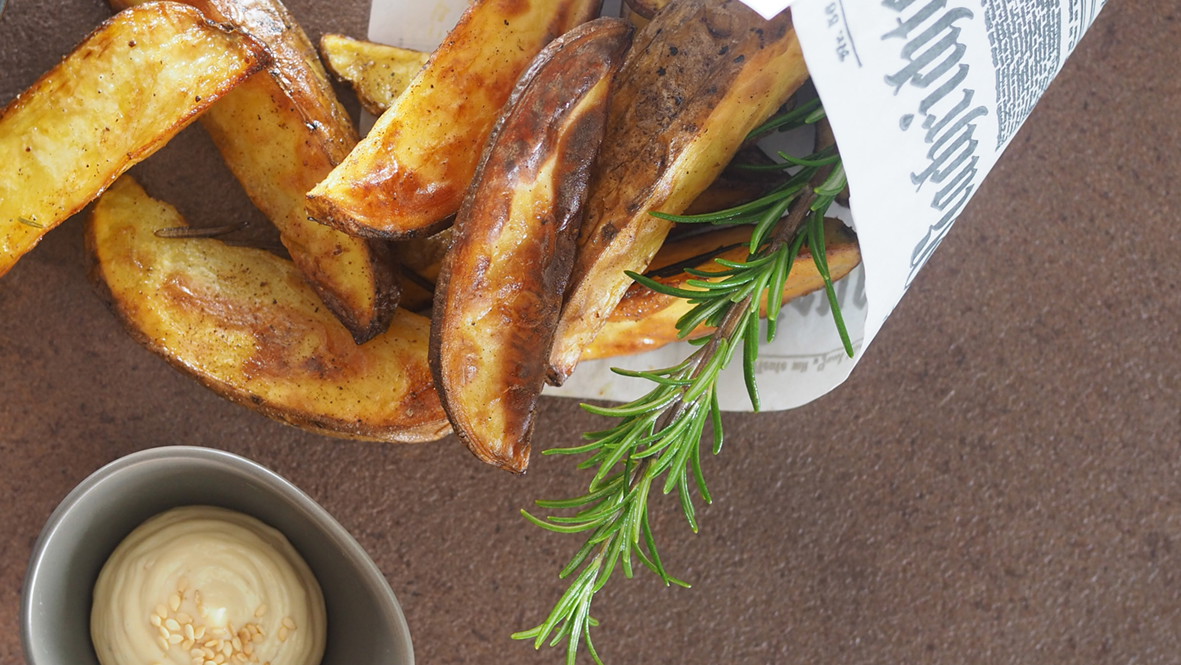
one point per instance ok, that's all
(999, 481)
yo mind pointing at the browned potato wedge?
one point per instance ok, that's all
(650, 321)
(500, 289)
(409, 175)
(135, 82)
(377, 73)
(668, 267)
(244, 323)
(735, 186)
(280, 135)
(699, 77)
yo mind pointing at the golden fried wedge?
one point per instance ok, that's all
(700, 76)
(377, 73)
(650, 320)
(135, 82)
(281, 134)
(698, 251)
(244, 323)
(500, 288)
(409, 175)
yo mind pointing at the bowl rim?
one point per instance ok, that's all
(368, 570)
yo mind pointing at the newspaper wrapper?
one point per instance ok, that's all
(923, 97)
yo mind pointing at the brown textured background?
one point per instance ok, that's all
(998, 482)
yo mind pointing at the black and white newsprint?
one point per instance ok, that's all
(923, 96)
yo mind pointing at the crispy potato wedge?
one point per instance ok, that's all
(377, 73)
(696, 250)
(280, 134)
(735, 186)
(500, 288)
(408, 176)
(679, 113)
(244, 323)
(135, 82)
(650, 320)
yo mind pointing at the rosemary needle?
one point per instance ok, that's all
(656, 440)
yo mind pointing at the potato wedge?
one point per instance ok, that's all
(700, 76)
(377, 73)
(650, 320)
(280, 134)
(408, 176)
(244, 323)
(696, 250)
(135, 82)
(500, 288)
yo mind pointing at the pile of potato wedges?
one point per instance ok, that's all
(442, 269)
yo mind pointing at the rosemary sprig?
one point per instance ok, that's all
(656, 440)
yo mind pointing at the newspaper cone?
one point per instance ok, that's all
(923, 96)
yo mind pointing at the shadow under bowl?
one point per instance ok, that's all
(365, 622)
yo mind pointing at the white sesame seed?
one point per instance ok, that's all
(172, 625)
(155, 620)
(184, 618)
(161, 611)
(163, 643)
(261, 611)
(282, 633)
(199, 632)
(288, 623)
(174, 639)
(174, 602)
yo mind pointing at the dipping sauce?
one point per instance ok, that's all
(198, 585)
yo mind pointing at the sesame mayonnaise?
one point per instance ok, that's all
(200, 585)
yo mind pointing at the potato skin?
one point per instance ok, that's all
(92, 117)
(281, 133)
(699, 77)
(409, 175)
(244, 323)
(501, 284)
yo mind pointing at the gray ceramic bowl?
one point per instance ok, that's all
(365, 623)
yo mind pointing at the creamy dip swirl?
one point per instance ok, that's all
(199, 585)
